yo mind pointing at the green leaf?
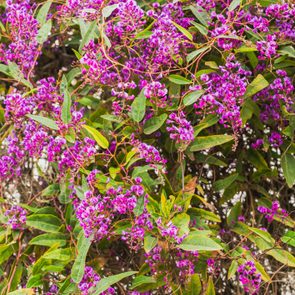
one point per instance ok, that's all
(89, 35)
(16, 73)
(105, 283)
(184, 31)
(200, 14)
(154, 124)
(44, 121)
(26, 291)
(222, 184)
(192, 97)
(288, 50)
(232, 269)
(59, 254)
(181, 221)
(289, 238)
(43, 12)
(194, 286)
(66, 107)
(256, 85)
(234, 4)
(4, 69)
(107, 10)
(207, 142)
(141, 280)
(204, 214)
(210, 287)
(149, 243)
(263, 234)
(197, 240)
(234, 213)
(79, 264)
(288, 166)
(44, 222)
(202, 29)
(49, 239)
(282, 256)
(245, 49)
(43, 32)
(35, 281)
(99, 138)
(195, 53)
(248, 109)
(179, 80)
(138, 107)
(208, 121)
(5, 252)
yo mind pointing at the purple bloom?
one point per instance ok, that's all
(17, 217)
(249, 277)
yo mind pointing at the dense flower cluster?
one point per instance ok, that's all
(17, 217)
(274, 211)
(249, 277)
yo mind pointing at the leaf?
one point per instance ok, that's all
(99, 138)
(207, 142)
(89, 35)
(208, 121)
(66, 107)
(288, 50)
(179, 80)
(49, 239)
(35, 281)
(234, 213)
(194, 287)
(140, 280)
(26, 291)
(138, 107)
(200, 14)
(289, 238)
(195, 53)
(204, 214)
(105, 283)
(4, 69)
(5, 252)
(198, 241)
(234, 4)
(282, 256)
(202, 29)
(44, 121)
(210, 287)
(154, 124)
(288, 166)
(43, 12)
(232, 269)
(149, 243)
(184, 31)
(59, 254)
(192, 97)
(263, 234)
(16, 73)
(108, 10)
(256, 85)
(222, 184)
(181, 221)
(44, 32)
(79, 264)
(44, 222)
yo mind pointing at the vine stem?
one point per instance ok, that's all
(181, 159)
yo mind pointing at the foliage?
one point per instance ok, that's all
(147, 147)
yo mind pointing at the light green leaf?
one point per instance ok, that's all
(184, 31)
(202, 29)
(196, 240)
(66, 107)
(210, 287)
(225, 182)
(26, 291)
(282, 256)
(105, 283)
(44, 31)
(49, 239)
(177, 79)
(79, 264)
(195, 53)
(192, 97)
(204, 214)
(288, 166)
(16, 73)
(256, 85)
(44, 222)
(154, 124)
(59, 254)
(289, 238)
(107, 10)
(208, 121)
(138, 107)
(89, 35)
(194, 286)
(207, 142)
(200, 14)
(232, 269)
(181, 221)
(149, 243)
(35, 281)
(234, 4)
(43, 12)
(44, 121)
(99, 138)
(288, 50)
(141, 280)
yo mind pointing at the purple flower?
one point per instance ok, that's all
(17, 217)
(249, 277)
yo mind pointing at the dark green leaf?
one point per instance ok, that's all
(288, 166)
(154, 124)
